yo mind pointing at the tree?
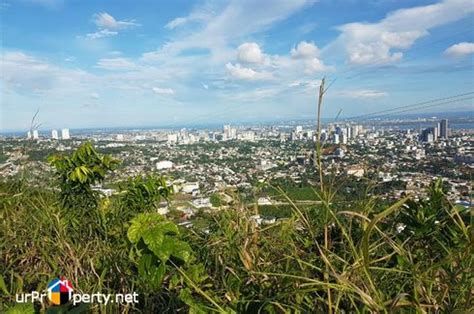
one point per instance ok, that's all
(77, 174)
(144, 193)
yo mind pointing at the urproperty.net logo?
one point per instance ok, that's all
(60, 291)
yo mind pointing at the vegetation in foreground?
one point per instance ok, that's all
(412, 256)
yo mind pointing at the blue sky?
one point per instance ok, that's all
(151, 63)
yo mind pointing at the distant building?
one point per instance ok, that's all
(356, 171)
(247, 136)
(172, 138)
(230, 133)
(438, 129)
(343, 138)
(29, 135)
(119, 137)
(444, 129)
(54, 134)
(191, 188)
(164, 164)
(35, 135)
(65, 134)
(429, 135)
(339, 152)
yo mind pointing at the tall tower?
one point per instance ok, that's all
(54, 134)
(65, 134)
(444, 129)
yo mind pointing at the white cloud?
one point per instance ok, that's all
(193, 17)
(303, 59)
(205, 86)
(94, 95)
(28, 74)
(242, 73)
(364, 93)
(107, 21)
(108, 26)
(101, 34)
(304, 50)
(315, 65)
(163, 91)
(226, 23)
(115, 64)
(381, 42)
(460, 50)
(249, 52)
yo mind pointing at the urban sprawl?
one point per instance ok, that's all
(207, 168)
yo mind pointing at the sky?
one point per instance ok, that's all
(86, 64)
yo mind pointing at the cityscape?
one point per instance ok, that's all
(236, 156)
(208, 164)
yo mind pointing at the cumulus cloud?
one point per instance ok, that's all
(115, 64)
(304, 50)
(460, 50)
(306, 55)
(163, 91)
(107, 21)
(242, 73)
(381, 42)
(250, 52)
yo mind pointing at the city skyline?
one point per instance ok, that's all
(182, 62)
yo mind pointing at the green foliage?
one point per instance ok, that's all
(216, 200)
(144, 193)
(157, 240)
(78, 172)
(162, 254)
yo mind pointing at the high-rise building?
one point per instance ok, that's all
(54, 134)
(343, 138)
(28, 136)
(336, 138)
(429, 135)
(230, 133)
(438, 129)
(65, 134)
(444, 129)
(172, 138)
(35, 134)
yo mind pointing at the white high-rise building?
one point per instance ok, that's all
(343, 138)
(336, 138)
(230, 133)
(54, 134)
(35, 134)
(172, 138)
(65, 134)
(28, 136)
